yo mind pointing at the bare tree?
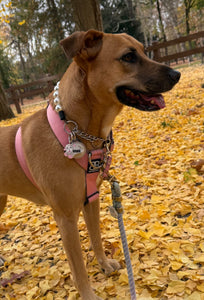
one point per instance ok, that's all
(87, 14)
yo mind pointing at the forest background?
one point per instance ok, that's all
(30, 30)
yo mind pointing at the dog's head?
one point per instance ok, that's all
(118, 70)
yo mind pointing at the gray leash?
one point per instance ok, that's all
(117, 212)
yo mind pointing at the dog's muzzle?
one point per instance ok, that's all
(139, 100)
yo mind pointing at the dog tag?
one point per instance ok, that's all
(75, 149)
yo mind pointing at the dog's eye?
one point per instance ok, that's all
(130, 57)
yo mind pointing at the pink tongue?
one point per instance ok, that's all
(154, 99)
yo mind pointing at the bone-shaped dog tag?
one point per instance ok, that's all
(74, 149)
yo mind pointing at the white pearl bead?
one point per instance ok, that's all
(56, 101)
(55, 93)
(58, 107)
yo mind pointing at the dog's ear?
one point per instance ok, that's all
(73, 44)
(92, 43)
(86, 44)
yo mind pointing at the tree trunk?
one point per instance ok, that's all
(87, 15)
(130, 9)
(188, 5)
(187, 12)
(161, 21)
(162, 25)
(5, 110)
(23, 65)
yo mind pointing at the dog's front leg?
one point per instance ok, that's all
(92, 214)
(70, 237)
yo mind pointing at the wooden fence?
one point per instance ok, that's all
(43, 86)
(182, 47)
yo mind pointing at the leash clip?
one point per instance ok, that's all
(108, 146)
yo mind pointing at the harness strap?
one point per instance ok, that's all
(21, 156)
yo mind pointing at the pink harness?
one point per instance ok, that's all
(90, 162)
(21, 156)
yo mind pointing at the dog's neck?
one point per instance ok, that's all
(93, 116)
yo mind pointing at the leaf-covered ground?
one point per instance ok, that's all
(158, 160)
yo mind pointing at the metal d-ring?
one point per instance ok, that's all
(92, 165)
(75, 129)
(71, 133)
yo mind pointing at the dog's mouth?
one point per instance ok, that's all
(140, 100)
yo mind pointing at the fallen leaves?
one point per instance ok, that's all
(5, 282)
(158, 159)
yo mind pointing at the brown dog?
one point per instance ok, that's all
(108, 71)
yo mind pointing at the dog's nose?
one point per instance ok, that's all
(174, 75)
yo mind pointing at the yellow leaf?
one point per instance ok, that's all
(191, 285)
(49, 296)
(175, 287)
(176, 265)
(158, 229)
(32, 292)
(153, 276)
(53, 227)
(188, 248)
(8, 4)
(55, 279)
(200, 287)
(144, 215)
(21, 23)
(157, 198)
(193, 231)
(202, 246)
(187, 273)
(44, 285)
(146, 295)
(145, 234)
(41, 272)
(19, 289)
(194, 296)
(174, 247)
(73, 295)
(199, 258)
(123, 279)
(110, 288)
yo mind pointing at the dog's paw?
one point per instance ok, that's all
(109, 266)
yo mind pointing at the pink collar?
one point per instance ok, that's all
(92, 162)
